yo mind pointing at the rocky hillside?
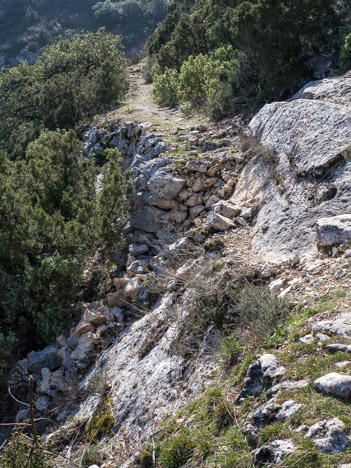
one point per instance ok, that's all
(226, 339)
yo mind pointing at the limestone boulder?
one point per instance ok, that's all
(219, 223)
(165, 185)
(330, 435)
(338, 385)
(340, 326)
(148, 219)
(274, 453)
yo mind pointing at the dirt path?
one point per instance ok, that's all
(141, 106)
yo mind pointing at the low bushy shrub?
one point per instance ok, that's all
(20, 453)
(207, 79)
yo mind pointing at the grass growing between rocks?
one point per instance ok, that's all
(208, 432)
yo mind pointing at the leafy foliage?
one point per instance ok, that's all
(73, 80)
(275, 40)
(26, 26)
(20, 453)
(52, 219)
(211, 79)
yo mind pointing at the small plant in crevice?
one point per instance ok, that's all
(99, 382)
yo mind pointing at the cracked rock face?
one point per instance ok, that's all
(149, 381)
(311, 135)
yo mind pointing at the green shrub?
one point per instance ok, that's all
(51, 287)
(259, 311)
(52, 220)
(20, 454)
(345, 54)
(229, 351)
(166, 87)
(71, 81)
(90, 456)
(208, 79)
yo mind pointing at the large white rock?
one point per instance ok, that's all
(310, 178)
(338, 385)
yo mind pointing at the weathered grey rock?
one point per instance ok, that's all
(226, 209)
(82, 327)
(178, 214)
(138, 249)
(196, 210)
(148, 219)
(340, 326)
(263, 371)
(338, 385)
(48, 357)
(330, 435)
(138, 267)
(272, 370)
(196, 166)
(187, 270)
(22, 415)
(334, 348)
(219, 222)
(147, 376)
(163, 203)
(132, 289)
(273, 411)
(165, 185)
(95, 317)
(289, 385)
(209, 146)
(307, 339)
(195, 199)
(250, 432)
(309, 180)
(343, 364)
(42, 403)
(273, 453)
(335, 90)
(276, 285)
(322, 338)
(334, 230)
(85, 346)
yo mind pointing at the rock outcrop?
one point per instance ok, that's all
(308, 180)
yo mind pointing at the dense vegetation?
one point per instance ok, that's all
(52, 218)
(275, 47)
(31, 24)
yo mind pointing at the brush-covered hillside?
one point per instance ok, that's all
(28, 25)
(175, 234)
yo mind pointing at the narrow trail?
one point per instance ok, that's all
(141, 106)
